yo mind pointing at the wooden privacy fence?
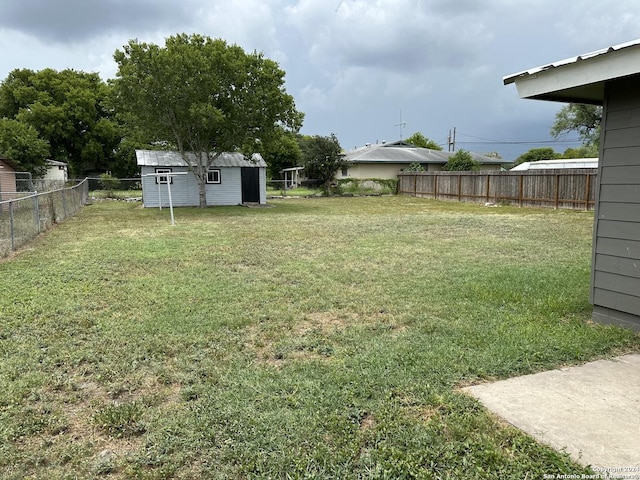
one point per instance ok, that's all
(575, 189)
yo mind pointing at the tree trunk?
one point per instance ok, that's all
(202, 190)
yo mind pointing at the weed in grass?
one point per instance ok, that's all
(121, 420)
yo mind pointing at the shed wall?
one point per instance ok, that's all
(615, 280)
(184, 189)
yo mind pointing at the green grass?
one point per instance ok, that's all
(321, 338)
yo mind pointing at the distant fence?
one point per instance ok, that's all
(575, 189)
(24, 217)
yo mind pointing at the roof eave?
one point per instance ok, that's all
(580, 79)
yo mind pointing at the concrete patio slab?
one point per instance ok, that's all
(591, 411)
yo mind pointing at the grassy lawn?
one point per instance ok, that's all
(321, 338)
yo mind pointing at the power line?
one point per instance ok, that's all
(516, 142)
(498, 142)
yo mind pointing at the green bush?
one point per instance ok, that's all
(461, 161)
(363, 186)
(109, 183)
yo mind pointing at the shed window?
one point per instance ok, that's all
(213, 176)
(162, 179)
(345, 171)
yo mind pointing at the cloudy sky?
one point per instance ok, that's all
(357, 68)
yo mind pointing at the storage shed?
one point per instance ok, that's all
(231, 180)
(608, 77)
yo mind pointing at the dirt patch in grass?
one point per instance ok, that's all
(325, 322)
(79, 429)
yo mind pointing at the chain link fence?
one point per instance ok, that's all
(26, 214)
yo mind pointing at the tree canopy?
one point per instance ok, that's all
(322, 158)
(204, 96)
(68, 110)
(461, 161)
(20, 143)
(584, 119)
(282, 152)
(419, 140)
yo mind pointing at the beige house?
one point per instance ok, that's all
(386, 160)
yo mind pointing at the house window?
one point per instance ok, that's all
(163, 179)
(213, 176)
(345, 172)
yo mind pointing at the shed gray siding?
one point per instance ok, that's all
(615, 280)
(184, 188)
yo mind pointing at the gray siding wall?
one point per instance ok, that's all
(615, 281)
(184, 189)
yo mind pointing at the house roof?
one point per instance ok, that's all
(55, 163)
(558, 164)
(578, 79)
(402, 152)
(8, 162)
(163, 158)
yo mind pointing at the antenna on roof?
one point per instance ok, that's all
(402, 124)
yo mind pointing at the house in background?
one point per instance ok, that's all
(608, 77)
(231, 180)
(386, 160)
(8, 186)
(55, 177)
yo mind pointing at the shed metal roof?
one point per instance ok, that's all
(400, 152)
(163, 158)
(578, 79)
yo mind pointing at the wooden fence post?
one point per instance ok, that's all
(488, 186)
(587, 191)
(557, 190)
(520, 192)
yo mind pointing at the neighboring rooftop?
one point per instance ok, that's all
(403, 152)
(558, 164)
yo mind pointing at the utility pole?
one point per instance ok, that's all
(451, 141)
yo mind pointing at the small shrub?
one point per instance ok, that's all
(109, 183)
(365, 186)
(461, 161)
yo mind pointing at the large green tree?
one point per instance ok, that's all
(203, 96)
(583, 119)
(68, 110)
(322, 158)
(21, 144)
(419, 140)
